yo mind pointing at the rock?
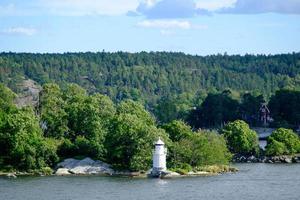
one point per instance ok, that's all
(252, 159)
(11, 175)
(287, 160)
(199, 173)
(296, 159)
(86, 166)
(169, 174)
(62, 172)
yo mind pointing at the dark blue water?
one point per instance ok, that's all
(253, 181)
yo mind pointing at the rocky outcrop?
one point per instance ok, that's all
(170, 174)
(62, 172)
(29, 95)
(86, 166)
(267, 159)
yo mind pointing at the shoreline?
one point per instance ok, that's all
(125, 174)
(64, 168)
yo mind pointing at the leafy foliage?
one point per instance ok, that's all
(216, 110)
(53, 114)
(130, 140)
(240, 138)
(200, 149)
(283, 141)
(22, 143)
(285, 108)
(177, 130)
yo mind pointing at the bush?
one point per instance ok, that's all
(177, 130)
(283, 141)
(275, 148)
(200, 149)
(240, 138)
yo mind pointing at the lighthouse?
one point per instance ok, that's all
(159, 158)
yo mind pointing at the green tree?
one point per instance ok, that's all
(89, 119)
(283, 141)
(216, 110)
(285, 108)
(200, 149)
(6, 99)
(240, 138)
(22, 144)
(130, 140)
(250, 107)
(52, 110)
(177, 130)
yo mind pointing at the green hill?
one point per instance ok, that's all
(150, 77)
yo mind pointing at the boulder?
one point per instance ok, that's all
(86, 166)
(62, 172)
(287, 160)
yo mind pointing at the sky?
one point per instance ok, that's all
(198, 27)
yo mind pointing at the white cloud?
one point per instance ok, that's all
(165, 24)
(19, 31)
(264, 6)
(89, 7)
(213, 5)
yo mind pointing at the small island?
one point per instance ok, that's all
(70, 128)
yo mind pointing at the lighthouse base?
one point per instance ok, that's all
(157, 172)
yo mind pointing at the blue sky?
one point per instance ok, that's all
(192, 26)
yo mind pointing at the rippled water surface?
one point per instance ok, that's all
(253, 181)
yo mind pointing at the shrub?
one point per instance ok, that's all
(177, 130)
(200, 149)
(283, 141)
(240, 138)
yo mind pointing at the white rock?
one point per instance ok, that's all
(62, 172)
(86, 166)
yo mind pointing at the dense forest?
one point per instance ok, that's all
(168, 84)
(151, 76)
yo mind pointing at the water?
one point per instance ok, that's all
(253, 181)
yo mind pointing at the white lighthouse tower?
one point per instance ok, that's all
(159, 158)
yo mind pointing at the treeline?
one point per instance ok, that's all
(218, 109)
(71, 123)
(152, 78)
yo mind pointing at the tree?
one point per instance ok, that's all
(240, 138)
(250, 106)
(177, 130)
(52, 110)
(89, 118)
(216, 110)
(283, 141)
(285, 108)
(200, 149)
(6, 99)
(130, 140)
(22, 144)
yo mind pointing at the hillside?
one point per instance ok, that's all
(149, 77)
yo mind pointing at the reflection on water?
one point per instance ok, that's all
(253, 181)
